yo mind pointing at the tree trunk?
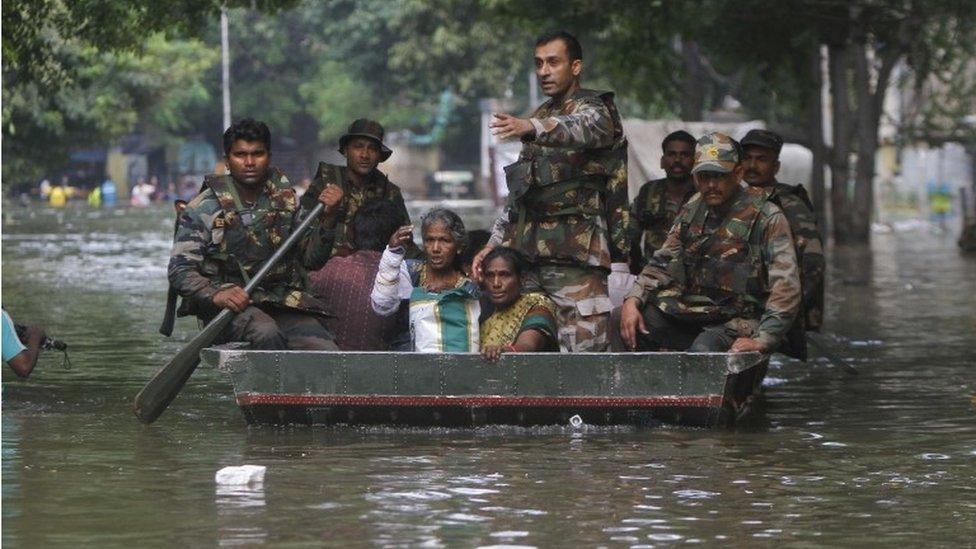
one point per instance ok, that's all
(817, 146)
(693, 82)
(867, 146)
(838, 63)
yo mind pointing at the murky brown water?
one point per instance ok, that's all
(881, 458)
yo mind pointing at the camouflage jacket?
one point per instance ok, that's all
(568, 202)
(336, 233)
(714, 270)
(651, 215)
(221, 242)
(796, 205)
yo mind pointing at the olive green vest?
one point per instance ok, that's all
(719, 275)
(550, 183)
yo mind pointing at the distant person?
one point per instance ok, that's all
(58, 197)
(227, 233)
(109, 193)
(21, 358)
(141, 194)
(444, 307)
(95, 198)
(345, 188)
(653, 211)
(345, 283)
(567, 206)
(44, 189)
(520, 323)
(726, 278)
(760, 164)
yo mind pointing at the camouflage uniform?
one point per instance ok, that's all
(720, 278)
(335, 234)
(567, 211)
(221, 242)
(651, 215)
(796, 205)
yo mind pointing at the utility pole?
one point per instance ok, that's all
(225, 65)
(533, 90)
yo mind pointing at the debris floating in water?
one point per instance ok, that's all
(576, 421)
(240, 475)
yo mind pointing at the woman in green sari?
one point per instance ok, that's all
(521, 323)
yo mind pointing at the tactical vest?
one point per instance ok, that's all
(551, 183)
(243, 238)
(654, 215)
(812, 305)
(331, 174)
(719, 275)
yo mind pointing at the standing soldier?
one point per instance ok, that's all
(227, 232)
(653, 211)
(726, 277)
(343, 189)
(760, 164)
(567, 208)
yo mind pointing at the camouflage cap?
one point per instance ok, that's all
(716, 152)
(370, 129)
(763, 138)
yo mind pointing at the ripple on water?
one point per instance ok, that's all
(696, 494)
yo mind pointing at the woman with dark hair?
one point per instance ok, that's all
(521, 323)
(443, 302)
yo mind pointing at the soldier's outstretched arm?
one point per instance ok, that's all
(590, 127)
(783, 278)
(193, 237)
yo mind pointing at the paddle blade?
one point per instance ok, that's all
(157, 395)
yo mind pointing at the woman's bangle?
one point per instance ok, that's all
(511, 348)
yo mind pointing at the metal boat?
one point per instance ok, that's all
(463, 390)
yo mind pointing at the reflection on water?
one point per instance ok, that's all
(882, 457)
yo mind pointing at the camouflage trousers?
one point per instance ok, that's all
(667, 333)
(277, 329)
(582, 304)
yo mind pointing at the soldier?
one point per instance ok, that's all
(567, 208)
(653, 211)
(226, 233)
(343, 189)
(726, 277)
(760, 164)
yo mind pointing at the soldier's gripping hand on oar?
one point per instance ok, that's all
(233, 298)
(331, 197)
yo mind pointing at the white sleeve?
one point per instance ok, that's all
(385, 297)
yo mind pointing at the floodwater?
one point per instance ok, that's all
(884, 457)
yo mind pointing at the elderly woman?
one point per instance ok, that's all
(443, 302)
(521, 323)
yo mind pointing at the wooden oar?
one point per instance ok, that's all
(153, 399)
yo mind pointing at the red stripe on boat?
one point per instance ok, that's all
(703, 401)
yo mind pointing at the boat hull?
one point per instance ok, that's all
(462, 390)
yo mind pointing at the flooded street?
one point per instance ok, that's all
(884, 457)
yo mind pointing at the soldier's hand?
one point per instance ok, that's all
(401, 236)
(631, 321)
(746, 345)
(235, 299)
(506, 126)
(331, 198)
(477, 261)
